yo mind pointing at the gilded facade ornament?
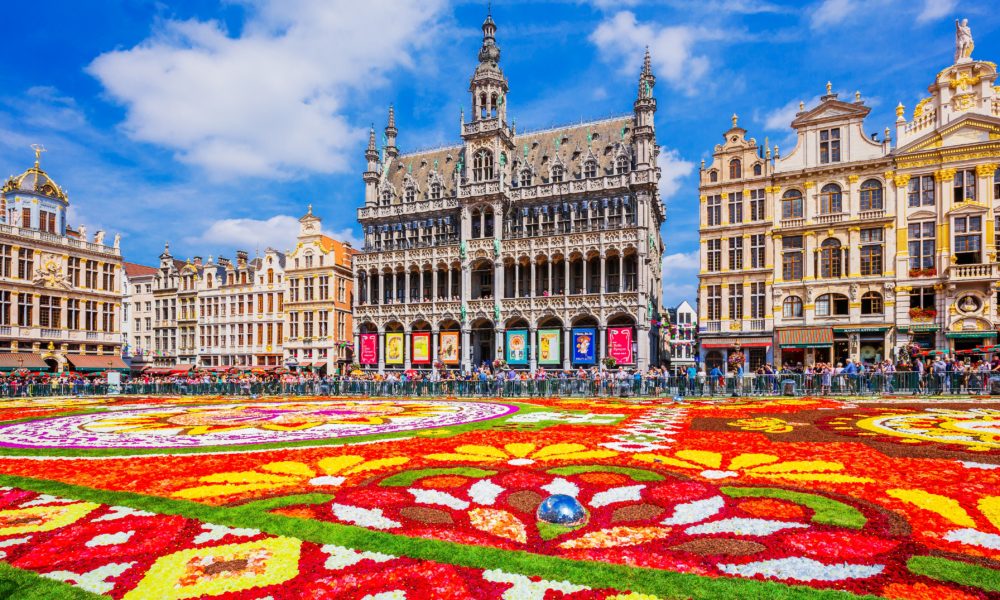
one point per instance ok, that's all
(944, 174)
(901, 180)
(852, 178)
(809, 184)
(986, 170)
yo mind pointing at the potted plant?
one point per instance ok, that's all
(610, 362)
(922, 314)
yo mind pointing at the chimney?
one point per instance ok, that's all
(197, 260)
(241, 256)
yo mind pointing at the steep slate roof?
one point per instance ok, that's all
(605, 145)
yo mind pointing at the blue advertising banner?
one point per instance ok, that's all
(517, 347)
(584, 343)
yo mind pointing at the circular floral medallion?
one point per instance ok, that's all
(976, 429)
(244, 423)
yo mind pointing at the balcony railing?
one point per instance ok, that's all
(976, 271)
(827, 219)
(796, 222)
(713, 326)
(757, 324)
(51, 333)
(871, 214)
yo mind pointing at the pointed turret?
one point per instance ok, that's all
(390, 135)
(370, 176)
(488, 85)
(644, 134)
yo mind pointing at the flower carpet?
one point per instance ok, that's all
(209, 497)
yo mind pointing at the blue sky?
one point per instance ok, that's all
(212, 125)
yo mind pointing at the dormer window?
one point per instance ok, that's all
(557, 174)
(525, 178)
(829, 145)
(757, 169)
(713, 176)
(435, 191)
(386, 197)
(410, 195)
(482, 166)
(590, 169)
(735, 169)
(621, 165)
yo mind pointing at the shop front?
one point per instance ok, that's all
(969, 345)
(716, 352)
(866, 344)
(803, 346)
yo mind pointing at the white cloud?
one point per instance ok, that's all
(832, 12)
(672, 170)
(271, 101)
(278, 232)
(935, 9)
(621, 39)
(680, 278)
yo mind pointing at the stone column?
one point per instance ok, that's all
(517, 279)
(497, 279)
(567, 346)
(532, 348)
(356, 355)
(532, 285)
(621, 272)
(381, 351)
(602, 342)
(466, 349)
(435, 332)
(604, 285)
(566, 274)
(406, 286)
(407, 340)
(548, 265)
(642, 341)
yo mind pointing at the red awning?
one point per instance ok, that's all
(93, 362)
(21, 360)
(806, 337)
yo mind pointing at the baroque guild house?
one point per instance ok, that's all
(850, 247)
(538, 249)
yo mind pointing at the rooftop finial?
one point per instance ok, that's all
(736, 119)
(38, 148)
(829, 88)
(802, 106)
(857, 96)
(392, 116)
(309, 211)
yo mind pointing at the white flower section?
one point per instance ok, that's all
(438, 497)
(802, 569)
(110, 539)
(520, 462)
(393, 595)
(47, 499)
(326, 480)
(214, 533)
(120, 512)
(619, 494)
(364, 517)
(968, 464)
(561, 417)
(974, 537)
(484, 492)
(693, 512)
(526, 589)
(341, 557)
(93, 581)
(634, 446)
(758, 527)
(715, 474)
(562, 486)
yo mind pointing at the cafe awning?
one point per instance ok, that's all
(970, 334)
(12, 361)
(742, 341)
(93, 362)
(806, 337)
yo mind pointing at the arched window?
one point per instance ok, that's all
(791, 308)
(758, 169)
(831, 305)
(871, 303)
(621, 165)
(871, 195)
(830, 254)
(482, 165)
(477, 224)
(557, 174)
(590, 169)
(830, 199)
(735, 169)
(713, 176)
(435, 191)
(208, 280)
(525, 176)
(411, 194)
(791, 205)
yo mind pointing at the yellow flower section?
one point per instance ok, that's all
(283, 474)
(765, 466)
(212, 571)
(944, 506)
(477, 453)
(35, 519)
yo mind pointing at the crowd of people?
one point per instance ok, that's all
(922, 375)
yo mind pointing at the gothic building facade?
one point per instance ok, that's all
(539, 249)
(851, 247)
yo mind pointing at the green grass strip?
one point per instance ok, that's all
(667, 585)
(408, 477)
(825, 510)
(282, 501)
(954, 571)
(18, 584)
(634, 474)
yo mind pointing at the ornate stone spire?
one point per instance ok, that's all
(390, 134)
(371, 154)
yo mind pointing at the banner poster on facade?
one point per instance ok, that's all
(549, 351)
(394, 348)
(620, 344)
(449, 347)
(369, 349)
(584, 340)
(517, 347)
(421, 348)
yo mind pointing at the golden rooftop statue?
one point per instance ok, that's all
(38, 148)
